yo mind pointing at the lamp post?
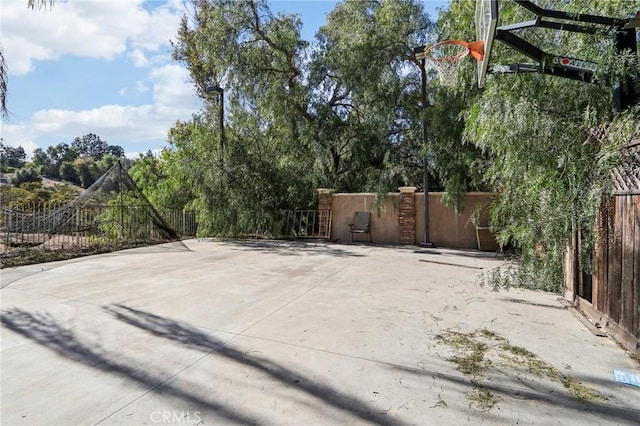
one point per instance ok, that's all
(418, 55)
(220, 92)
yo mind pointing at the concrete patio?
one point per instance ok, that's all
(296, 333)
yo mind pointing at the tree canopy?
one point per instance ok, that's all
(336, 112)
(12, 156)
(90, 145)
(552, 141)
(80, 163)
(343, 111)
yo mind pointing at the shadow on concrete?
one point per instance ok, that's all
(44, 330)
(193, 338)
(527, 302)
(290, 248)
(514, 387)
(473, 254)
(610, 382)
(172, 246)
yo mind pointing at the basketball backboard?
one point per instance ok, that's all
(486, 20)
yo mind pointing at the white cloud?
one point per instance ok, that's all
(171, 86)
(17, 135)
(160, 26)
(20, 54)
(93, 29)
(99, 29)
(138, 57)
(173, 99)
(141, 87)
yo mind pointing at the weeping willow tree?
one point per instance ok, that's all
(336, 112)
(552, 141)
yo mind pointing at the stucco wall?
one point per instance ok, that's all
(446, 228)
(384, 222)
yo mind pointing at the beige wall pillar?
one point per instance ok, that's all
(407, 215)
(324, 205)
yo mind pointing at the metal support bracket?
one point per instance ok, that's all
(625, 92)
(563, 66)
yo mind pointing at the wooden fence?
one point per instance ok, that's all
(610, 296)
(615, 281)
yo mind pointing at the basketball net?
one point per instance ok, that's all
(447, 57)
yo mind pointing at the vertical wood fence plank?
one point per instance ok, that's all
(615, 262)
(636, 268)
(627, 293)
(606, 245)
(598, 250)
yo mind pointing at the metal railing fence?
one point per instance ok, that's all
(50, 226)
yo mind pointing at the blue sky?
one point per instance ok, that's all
(104, 67)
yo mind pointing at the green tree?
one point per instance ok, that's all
(12, 196)
(552, 141)
(63, 193)
(33, 194)
(41, 160)
(12, 156)
(301, 115)
(90, 145)
(69, 173)
(266, 160)
(87, 171)
(26, 174)
(105, 163)
(162, 188)
(64, 162)
(365, 103)
(50, 160)
(115, 151)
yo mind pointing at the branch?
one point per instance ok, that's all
(31, 4)
(276, 70)
(3, 86)
(335, 98)
(346, 105)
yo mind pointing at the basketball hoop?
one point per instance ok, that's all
(447, 56)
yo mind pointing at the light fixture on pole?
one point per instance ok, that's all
(214, 88)
(418, 55)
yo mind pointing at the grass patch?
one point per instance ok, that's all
(482, 398)
(579, 390)
(491, 335)
(473, 362)
(477, 352)
(518, 350)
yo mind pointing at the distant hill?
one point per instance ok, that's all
(47, 182)
(50, 182)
